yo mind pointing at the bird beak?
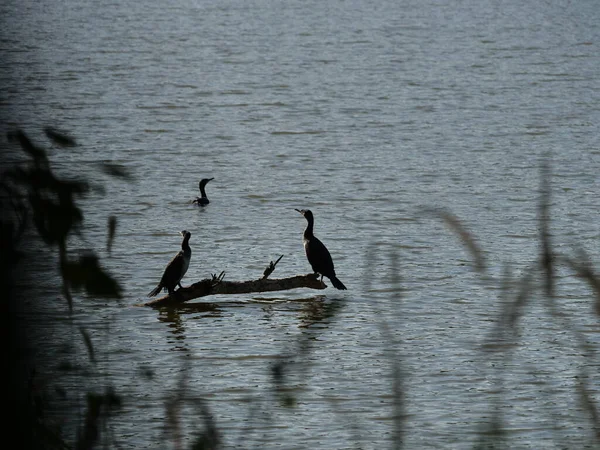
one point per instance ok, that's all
(300, 211)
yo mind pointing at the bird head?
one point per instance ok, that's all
(307, 213)
(204, 181)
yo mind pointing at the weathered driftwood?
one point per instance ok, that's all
(216, 285)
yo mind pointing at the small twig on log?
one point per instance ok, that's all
(216, 279)
(271, 267)
(216, 285)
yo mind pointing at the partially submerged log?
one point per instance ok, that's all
(214, 286)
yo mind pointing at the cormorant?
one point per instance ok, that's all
(176, 269)
(317, 254)
(203, 199)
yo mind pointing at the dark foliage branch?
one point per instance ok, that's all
(514, 306)
(35, 194)
(34, 198)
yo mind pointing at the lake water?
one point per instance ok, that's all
(368, 113)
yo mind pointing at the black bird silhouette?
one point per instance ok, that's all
(317, 254)
(203, 199)
(176, 269)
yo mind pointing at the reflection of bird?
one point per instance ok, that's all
(176, 269)
(203, 199)
(316, 252)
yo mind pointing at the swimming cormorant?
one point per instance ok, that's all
(176, 269)
(317, 254)
(203, 199)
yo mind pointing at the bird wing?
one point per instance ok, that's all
(319, 257)
(173, 270)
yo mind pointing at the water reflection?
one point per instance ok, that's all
(173, 316)
(292, 368)
(176, 325)
(316, 310)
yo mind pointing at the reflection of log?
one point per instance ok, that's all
(217, 286)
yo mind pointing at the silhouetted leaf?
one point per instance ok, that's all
(515, 310)
(546, 257)
(112, 228)
(87, 274)
(209, 439)
(492, 434)
(98, 410)
(67, 294)
(88, 343)
(112, 399)
(584, 269)
(146, 372)
(457, 227)
(117, 170)
(54, 220)
(37, 153)
(59, 138)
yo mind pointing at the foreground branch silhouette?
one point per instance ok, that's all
(215, 285)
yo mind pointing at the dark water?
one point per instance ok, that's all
(366, 113)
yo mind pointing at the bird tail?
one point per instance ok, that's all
(156, 290)
(337, 283)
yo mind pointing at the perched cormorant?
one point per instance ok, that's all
(317, 254)
(203, 199)
(176, 269)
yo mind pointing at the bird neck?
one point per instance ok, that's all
(202, 192)
(309, 229)
(185, 245)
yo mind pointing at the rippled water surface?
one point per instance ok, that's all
(369, 114)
